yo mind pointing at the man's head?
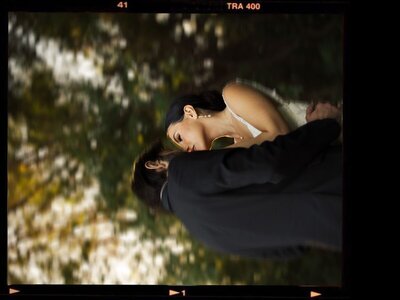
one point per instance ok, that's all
(149, 174)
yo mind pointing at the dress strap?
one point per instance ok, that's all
(254, 131)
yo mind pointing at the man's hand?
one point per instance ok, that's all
(322, 111)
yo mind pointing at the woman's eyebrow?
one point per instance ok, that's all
(170, 136)
(174, 137)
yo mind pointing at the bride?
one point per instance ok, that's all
(245, 111)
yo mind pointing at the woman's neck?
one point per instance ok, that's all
(221, 125)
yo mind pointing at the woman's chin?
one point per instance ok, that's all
(201, 148)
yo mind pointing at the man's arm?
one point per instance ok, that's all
(273, 161)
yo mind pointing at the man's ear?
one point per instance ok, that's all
(189, 112)
(158, 165)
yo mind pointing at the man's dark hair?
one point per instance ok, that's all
(146, 184)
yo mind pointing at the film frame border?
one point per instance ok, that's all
(192, 6)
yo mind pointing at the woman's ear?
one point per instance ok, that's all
(189, 112)
(158, 165)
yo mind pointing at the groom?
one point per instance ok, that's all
(270, 200)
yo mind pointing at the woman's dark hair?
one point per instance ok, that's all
(209, 100)
(146, 184)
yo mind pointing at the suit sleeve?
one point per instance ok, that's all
(273, 161)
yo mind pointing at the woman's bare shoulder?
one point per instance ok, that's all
(239, 96)
(253, 106)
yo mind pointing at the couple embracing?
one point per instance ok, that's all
(274, 193)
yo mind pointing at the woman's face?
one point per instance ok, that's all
(189, 134)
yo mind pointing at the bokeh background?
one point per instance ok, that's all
(88, 91)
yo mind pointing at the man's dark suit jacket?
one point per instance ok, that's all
(270, 200)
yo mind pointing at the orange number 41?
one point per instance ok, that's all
(122, 4)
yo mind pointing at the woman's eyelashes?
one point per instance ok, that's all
(178, 138)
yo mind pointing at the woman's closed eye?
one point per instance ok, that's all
(178, 138)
